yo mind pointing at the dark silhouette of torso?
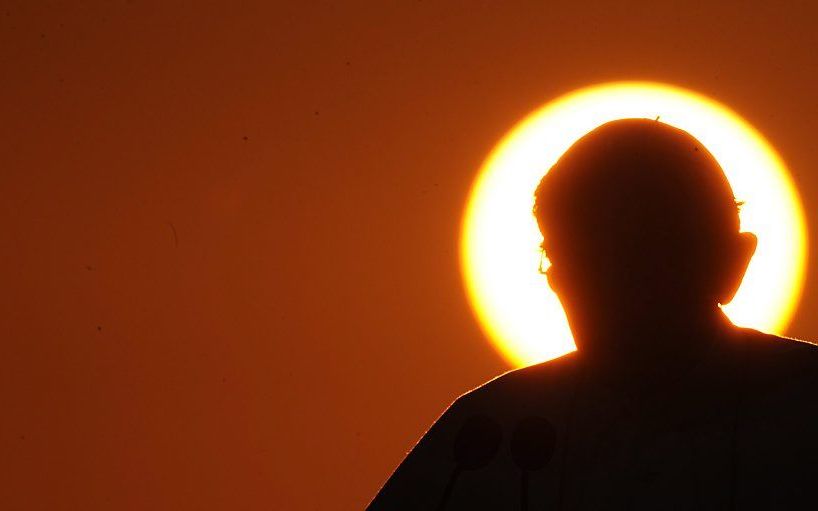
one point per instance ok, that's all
(738, 430)
(666, 404)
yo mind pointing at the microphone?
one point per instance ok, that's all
(532, 447)
(475, 446)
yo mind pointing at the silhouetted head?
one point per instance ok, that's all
(641, 227)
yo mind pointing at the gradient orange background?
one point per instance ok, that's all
(228, 232)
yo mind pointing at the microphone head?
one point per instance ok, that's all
(533, 443)
(477, 442)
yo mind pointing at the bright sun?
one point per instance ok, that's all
(499, 239)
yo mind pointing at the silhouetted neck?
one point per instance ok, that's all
(655, 350)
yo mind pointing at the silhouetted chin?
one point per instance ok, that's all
(657, 336)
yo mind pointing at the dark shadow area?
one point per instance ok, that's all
(666, 404)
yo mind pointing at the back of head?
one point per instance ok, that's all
(636, 212)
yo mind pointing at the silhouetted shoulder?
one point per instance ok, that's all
(525, 391)
(776, 421)
(777, 344)
(418, 483)
(777, 361)
(778, 371)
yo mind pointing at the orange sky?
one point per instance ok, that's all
(229, 232)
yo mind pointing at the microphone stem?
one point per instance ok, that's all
(524, 491)
(447, 492)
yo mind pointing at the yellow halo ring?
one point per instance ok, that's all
(499, 237)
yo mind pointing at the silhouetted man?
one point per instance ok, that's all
(665, 404)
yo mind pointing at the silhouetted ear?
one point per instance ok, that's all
(736, 267)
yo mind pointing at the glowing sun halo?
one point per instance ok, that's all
(499, 239)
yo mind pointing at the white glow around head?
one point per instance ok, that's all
(500, 240)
